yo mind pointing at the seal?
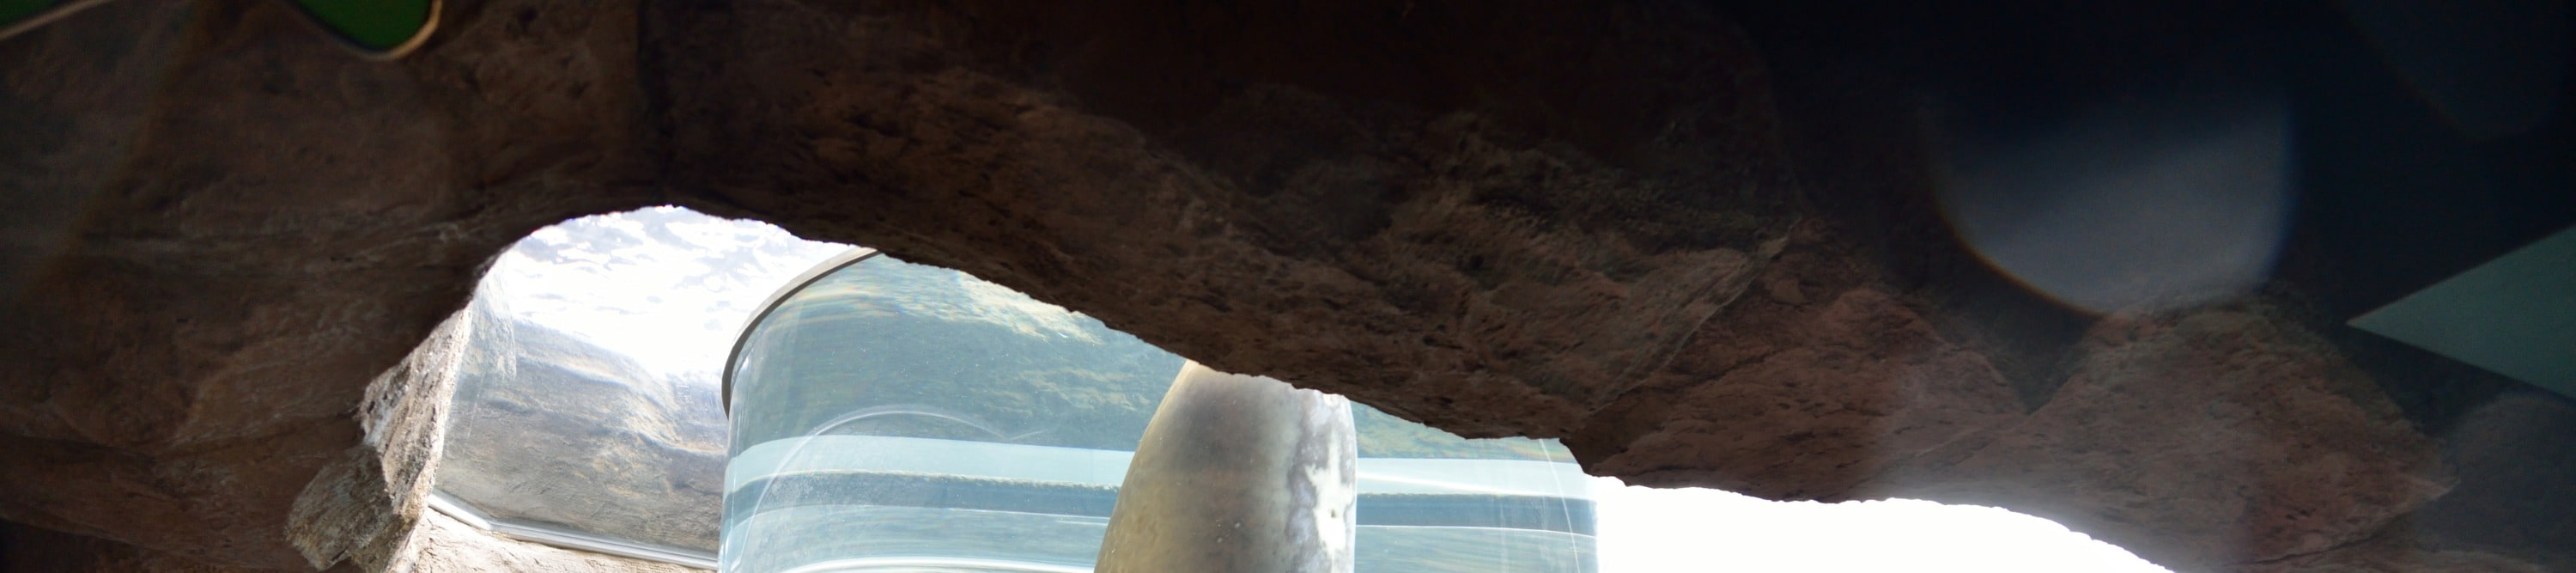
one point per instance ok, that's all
(1238, 474)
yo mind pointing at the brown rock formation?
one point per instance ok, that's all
(2225, 416)
(1703, 253)
(280, 224)
(1420, 237)
(1788, 395)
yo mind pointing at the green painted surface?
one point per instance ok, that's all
(2515, 315)
(15, 12)
(377, 25)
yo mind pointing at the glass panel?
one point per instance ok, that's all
(550, 430)
(891, 410)
(587, 398)
(1431, 501)
(900, 416)
(888, 348)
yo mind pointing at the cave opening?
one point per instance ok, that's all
(590, 412)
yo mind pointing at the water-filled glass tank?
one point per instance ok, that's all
(893, 416)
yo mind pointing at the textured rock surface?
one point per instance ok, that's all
(1611, 222)
(2397, 556)
(362, 507)
(2230, 417)
(281, 224)
(1805, 388)
(1238, 216)
(25, 548)
(2514, 469)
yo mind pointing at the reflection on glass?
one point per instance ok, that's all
(586, 398)
(891, 416)
(552, 431)
(1434, 502)
(889, 412)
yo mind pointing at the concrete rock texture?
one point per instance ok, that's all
(2224, 416)
(1695, 241)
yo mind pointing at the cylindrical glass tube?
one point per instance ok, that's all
(893, 416)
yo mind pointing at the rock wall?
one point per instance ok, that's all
(2231, 417)
(261, 225)
(1697, 242)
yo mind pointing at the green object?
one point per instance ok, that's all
(2515, 315)
(380, 28)
(22, 15)
(13, 11)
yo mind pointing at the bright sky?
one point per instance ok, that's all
(677, 307)
(669, 308)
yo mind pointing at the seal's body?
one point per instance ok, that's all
(1238, 474)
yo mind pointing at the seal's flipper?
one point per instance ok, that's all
(22, 15)
(381, 29)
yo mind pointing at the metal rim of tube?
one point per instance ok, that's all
(820, 270)
(531, 533)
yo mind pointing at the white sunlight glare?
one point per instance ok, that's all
(1648, 530)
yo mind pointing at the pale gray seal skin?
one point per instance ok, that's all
(1238, 474)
